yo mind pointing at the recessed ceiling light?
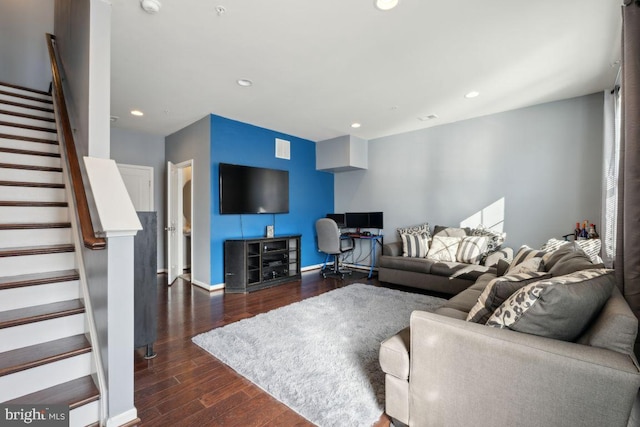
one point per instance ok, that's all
(244, 82)
(472, 94)
(355, 125)
(386, 4)
(137, 113)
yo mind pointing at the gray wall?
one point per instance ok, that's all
(23, 25)
(137, 148)
(194, 143)
(544, 162)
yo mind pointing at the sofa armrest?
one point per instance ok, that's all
(392, 249)
(463, 373)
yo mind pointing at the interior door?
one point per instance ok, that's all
(172, 222)
(139, 183)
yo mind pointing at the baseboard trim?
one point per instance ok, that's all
(206, 286)
(163, 271)
(124, 418)
(312, 267)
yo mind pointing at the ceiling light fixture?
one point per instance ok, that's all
(472, 94)
(137, 113)
(244, 82)
(386, 4)
(150, 6)
(427, 118)
(355, 125)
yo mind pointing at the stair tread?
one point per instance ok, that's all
(29, 139)
(27, 152)
(73, 393)
(34, 225)
(21, 280)
(36, 355)
(30, 167)
(27, 106)
(28, 97)
(34, 204)
(37, 250)
(36, 313)
(28, 89)
(27, 116)
(29, 127)
(30, 184)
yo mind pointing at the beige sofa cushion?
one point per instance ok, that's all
(394, 354)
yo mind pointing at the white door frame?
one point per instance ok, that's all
(178, 224)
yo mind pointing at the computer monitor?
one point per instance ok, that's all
(339, 218)
(364, 220)
(376, 220)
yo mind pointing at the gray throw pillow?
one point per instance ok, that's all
(552, 257)
(502, 266)
(497, 291)
(559, 308)
(572, 262)
(439, 230)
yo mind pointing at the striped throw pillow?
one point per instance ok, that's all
(415, 245)
(592, 248)
(525, 253)
(471, 249)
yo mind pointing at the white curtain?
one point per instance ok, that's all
(611, 159)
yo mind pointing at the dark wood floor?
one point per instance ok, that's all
(186, 386)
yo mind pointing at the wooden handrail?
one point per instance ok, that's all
(84, 216)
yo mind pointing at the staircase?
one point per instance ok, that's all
(45, 355)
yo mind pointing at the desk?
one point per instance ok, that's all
(373, 239)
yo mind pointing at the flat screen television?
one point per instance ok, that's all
(253, 190)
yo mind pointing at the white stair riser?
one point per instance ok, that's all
(45, 376)
(26, 121)
(26, 111)
(29, 145)
(25, 296)
(12, 130)
(39, 332)
(25, 101)
(28, 264)
(27, 159)
(25, 215)
(26, 175)
(33, 194)
(24, 92)
(85, 415)
(35, 237)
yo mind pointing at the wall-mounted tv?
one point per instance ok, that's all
(253, 190)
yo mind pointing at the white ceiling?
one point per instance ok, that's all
(318, 66)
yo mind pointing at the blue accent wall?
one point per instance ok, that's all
(310, 191)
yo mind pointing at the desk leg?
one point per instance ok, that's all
(372, 257)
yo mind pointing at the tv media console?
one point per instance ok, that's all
(258, 263)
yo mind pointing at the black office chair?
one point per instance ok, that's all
(330, 243)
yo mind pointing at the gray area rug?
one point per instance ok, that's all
(320, 356)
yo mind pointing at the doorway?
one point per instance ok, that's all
(179, 220)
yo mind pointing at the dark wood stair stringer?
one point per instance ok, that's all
(34, 279)
(30, 184)
(75, 393)
(27, 97)
(37, 313)
(27, 116)
(24, 358)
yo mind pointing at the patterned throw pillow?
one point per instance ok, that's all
(529, 266)
(472, 249)
(444, 248)
(415, 229)
(415, 245)
(560, 307)
(496, 238)
(497, 291)
(553, 244)
(592, 248)
(525, 253)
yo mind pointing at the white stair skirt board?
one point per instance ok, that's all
(32, 160)
(15, 265)
(85, 415)
(44, 376)
(25, 110)
(42, 147)
(29, 102)
(39, 332)
(12, 130)
(24, 92)
(33, 194)
(29, 214)
(35, 237)
(26, 175)
(26, 120)
(27, 296)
